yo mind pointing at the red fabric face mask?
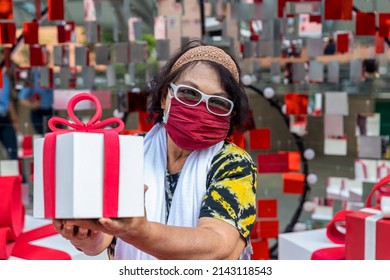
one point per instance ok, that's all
(195, 128)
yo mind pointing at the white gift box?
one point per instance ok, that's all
(322, 213)
(56, 242)
(366, 170)
(79, 168)
(344, 189)
(301, 245)
(9, 167)
(383, 169)
(335, 147)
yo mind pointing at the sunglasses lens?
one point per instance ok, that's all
(219, 106)
(188, 96)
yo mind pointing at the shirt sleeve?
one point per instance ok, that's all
(231, 189)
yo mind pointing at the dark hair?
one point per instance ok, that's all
(235, 90)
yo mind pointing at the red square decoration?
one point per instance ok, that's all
(365, 24)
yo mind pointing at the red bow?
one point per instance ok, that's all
(111, 153)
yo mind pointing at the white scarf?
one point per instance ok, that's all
(189, 193)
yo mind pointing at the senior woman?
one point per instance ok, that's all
(200, 189)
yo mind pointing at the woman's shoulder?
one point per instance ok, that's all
(232, 160)
(231, 151)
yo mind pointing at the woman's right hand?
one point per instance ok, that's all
(91, 242)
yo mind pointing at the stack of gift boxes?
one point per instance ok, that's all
(360, 228)
(266, 227)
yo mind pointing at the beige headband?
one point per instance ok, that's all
(209, 53)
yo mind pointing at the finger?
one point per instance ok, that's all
(58, 225)
(145, 188)
(86, 223)
(68, 231)
(111, 225)
(82, 233)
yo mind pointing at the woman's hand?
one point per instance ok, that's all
(88, 234)
(91, 242)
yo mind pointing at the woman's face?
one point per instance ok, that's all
(201, 77)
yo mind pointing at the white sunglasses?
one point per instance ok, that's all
(190, 96)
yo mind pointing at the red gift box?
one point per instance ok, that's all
(293, 183)
(265, 228)
(367, 230)
(365, 24)
(27, 145)
(267, 208)
(56, 9)
(8, 33)
(296, 104)
(338, 9)
(384, 25)
(260, 249)
(143, 123)
(6, 9)
(260, 139)
(294, 161)
(379, 44)
(238, 139)
(137, 101)
(272, 163)
(315, 18)
(343, 43)
(66, 32)
(38, 55)
(367, 235)
(281, 5)
(30, 32)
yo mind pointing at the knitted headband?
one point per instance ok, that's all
(209, 53)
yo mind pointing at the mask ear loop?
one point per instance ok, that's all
(166, 114)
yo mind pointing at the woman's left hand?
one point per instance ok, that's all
(132, 227)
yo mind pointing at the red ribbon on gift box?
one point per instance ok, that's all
(111, 154)
(364, 166)
(380, 168)
(334, 233)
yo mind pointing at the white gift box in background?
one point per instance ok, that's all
(9, 167)
(366, 170)
(322, 213)
(336, 103)
(301, 245)
(383, 169)
(344, 189)
(335, 147)
(79, 168)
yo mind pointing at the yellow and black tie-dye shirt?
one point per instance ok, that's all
(231, 189)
